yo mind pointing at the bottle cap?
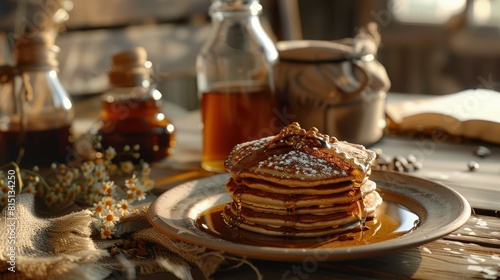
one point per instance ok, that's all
(37, 50)
(130, 68)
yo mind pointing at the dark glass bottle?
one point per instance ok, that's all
(35, 121)
(131, 110)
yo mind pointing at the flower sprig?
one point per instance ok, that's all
(27, 181)
(108, 210)
(106, 185)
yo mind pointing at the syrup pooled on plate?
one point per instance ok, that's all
(390, 221)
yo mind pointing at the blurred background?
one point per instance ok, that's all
(428, 46)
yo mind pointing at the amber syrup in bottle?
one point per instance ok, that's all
(131, 110)
(40, 148)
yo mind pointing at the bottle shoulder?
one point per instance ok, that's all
(45, 88)
(233, 37)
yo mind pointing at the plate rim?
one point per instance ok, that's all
(330, 254)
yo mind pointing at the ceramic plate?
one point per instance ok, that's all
(439, 209)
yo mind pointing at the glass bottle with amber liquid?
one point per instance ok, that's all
(36, 117)
(131, 110)
(235, 82)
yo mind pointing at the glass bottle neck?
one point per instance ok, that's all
(224, 9)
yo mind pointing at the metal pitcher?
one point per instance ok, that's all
(337, 86)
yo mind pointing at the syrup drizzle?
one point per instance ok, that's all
(295, 145)
(391, 221)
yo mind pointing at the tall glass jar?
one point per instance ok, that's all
(235, 82)
(131, 110)
(36, 119)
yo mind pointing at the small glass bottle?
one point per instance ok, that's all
(35, 126)
(235, 82)
(131, 110)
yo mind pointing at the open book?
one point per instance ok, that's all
(471, 113)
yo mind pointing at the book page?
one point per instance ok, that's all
(470, 113)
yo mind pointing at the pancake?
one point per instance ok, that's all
(276, 188)
(246, 194)
(315, 210)
(299, 158)
(229, 216)
(298, 222)
(299, 183)
(339, 225)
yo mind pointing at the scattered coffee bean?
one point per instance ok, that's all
(396, 163)
(384, 160)
(482, 151)
(473, 166)
(417, 165)
(398, 166)
(411, 158)
(409, 168)
(400, 159)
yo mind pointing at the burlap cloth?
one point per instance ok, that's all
(70, 247)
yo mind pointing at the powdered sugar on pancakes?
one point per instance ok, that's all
(299, 163)
(296, 157)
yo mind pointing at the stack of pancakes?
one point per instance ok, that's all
(299, 183)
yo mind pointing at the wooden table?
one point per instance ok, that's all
(471, 252)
